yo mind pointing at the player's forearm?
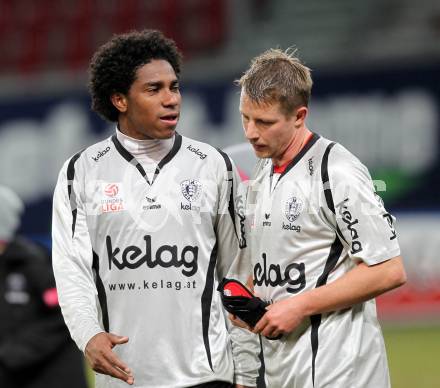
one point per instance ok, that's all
(358, 285)
(76, 294)
(78, 305)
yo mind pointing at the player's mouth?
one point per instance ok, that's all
(258, 147)
(170, 119)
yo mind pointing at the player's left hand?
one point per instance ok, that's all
(281, 318)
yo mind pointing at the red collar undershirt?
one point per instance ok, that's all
(282, 168)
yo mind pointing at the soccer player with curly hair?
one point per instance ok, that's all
(144, 225)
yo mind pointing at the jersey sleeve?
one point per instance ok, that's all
(72, 258)
(230, 223)
(361, 220)
(232, 262)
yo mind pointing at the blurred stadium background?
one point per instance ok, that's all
(376, 68)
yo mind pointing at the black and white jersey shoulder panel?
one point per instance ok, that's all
(360, 215)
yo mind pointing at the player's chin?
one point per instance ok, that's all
(262, 153)
(166, 132)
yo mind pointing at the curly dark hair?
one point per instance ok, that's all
(114, 65)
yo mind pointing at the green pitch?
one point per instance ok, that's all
(413, 355)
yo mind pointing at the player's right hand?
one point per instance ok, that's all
(103, 360)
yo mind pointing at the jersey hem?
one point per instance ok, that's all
(381, 258)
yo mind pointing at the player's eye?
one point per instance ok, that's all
(264, 123)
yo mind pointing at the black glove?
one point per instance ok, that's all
(239, 301)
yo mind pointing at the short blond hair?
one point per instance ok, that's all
(278, 76)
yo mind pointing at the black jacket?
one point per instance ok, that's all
(35, 346)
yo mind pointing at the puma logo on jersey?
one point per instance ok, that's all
(356, 245)
(294, 275)
(166, 256)
(100, 154)
(199, 153)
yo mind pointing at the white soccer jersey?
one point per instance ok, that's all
(308, 227)
(141, 257)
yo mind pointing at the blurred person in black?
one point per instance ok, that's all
(35, 347)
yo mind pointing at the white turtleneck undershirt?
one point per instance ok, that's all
(147, 152)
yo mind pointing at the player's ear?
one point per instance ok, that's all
(119, 101)
(301, 114)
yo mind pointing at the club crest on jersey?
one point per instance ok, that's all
(112, 201)
(191, 189)
(292, 211)
(293, 208)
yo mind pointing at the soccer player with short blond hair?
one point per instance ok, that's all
(321, 244)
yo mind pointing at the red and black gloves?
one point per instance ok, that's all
(239, 301)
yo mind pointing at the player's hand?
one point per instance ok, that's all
(238, 322)
(282, 317)
(103, 360)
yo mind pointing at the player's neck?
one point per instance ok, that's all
(298, 142)
(145, 150)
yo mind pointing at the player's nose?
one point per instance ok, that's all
(171, 98)
(250, 131)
